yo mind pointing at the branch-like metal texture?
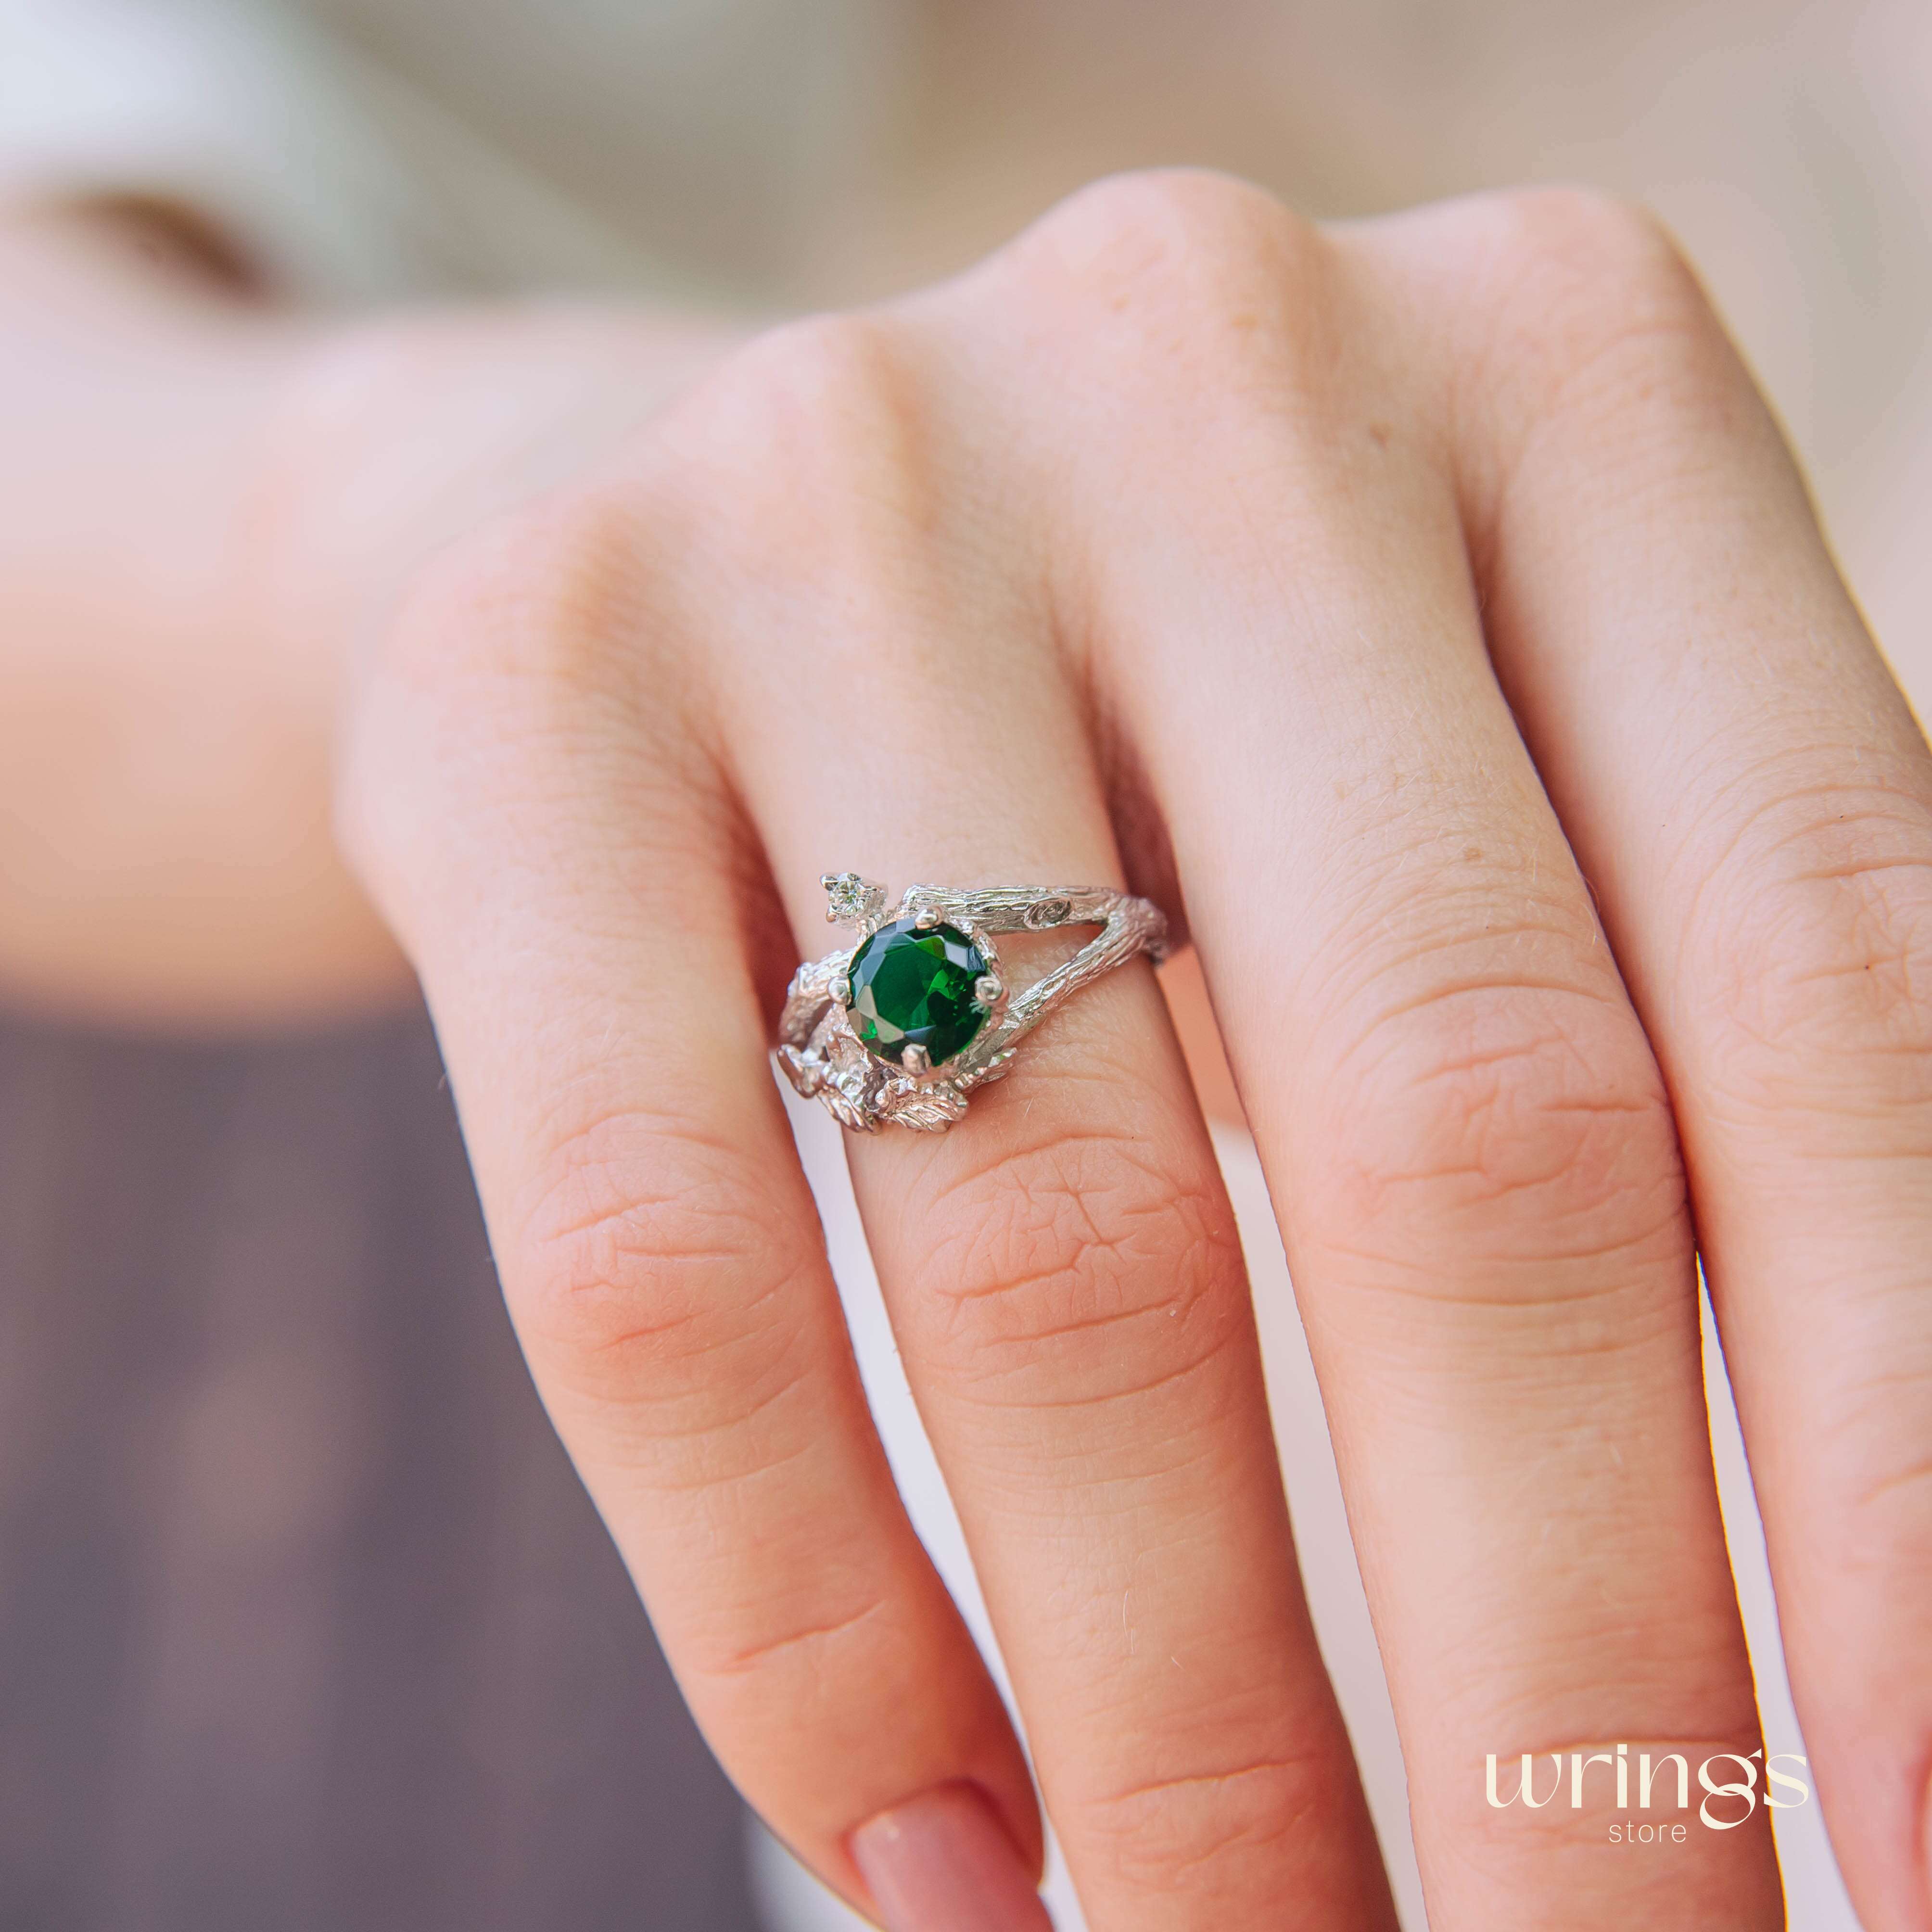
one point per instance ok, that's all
(821, 1055)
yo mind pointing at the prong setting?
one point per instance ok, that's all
(852, 900)
(854, 1048)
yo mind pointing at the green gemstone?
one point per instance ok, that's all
(910, 987)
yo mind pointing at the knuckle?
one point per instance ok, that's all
(535, 598)
(1527, 1118)
(1585, 253)
(1822, 944)
(510, 651)
(829, 400)
(1885, 1536)
(1590, 231)
(1584, 300)
(1088, 1266)
(1180, 269)
(1181, 215)
(649, 1267)
(804, 461)
(1206, 1829)
(820, 1650)
(828, 365)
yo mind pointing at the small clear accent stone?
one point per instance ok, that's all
(849, 898)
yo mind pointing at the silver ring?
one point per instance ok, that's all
(906, 1021)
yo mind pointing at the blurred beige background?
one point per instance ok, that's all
(810, 154)
(784, 153)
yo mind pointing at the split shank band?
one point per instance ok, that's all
(903, 1024)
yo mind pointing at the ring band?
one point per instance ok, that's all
(907, 1021)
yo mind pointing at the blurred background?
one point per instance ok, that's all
(304, 1620)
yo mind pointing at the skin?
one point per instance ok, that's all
(1431, 607)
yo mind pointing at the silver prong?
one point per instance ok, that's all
(840, 988)
(988, 990)
(925, 918)
(916, 1059)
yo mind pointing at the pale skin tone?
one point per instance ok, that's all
(1430, 606)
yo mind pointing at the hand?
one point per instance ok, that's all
(1430, 606)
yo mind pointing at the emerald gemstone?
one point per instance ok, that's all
(910, 987)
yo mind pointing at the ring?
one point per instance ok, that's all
(908, 1020)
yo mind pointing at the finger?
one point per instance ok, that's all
(1464, 1130)
(527, 799)
(1061, 1266)
(1752, 801)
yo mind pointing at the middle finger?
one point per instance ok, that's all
(1466, 1132)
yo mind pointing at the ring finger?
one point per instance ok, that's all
(1061, 1268)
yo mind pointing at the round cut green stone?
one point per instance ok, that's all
(910, 987)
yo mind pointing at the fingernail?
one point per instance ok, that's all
(943, 1862)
